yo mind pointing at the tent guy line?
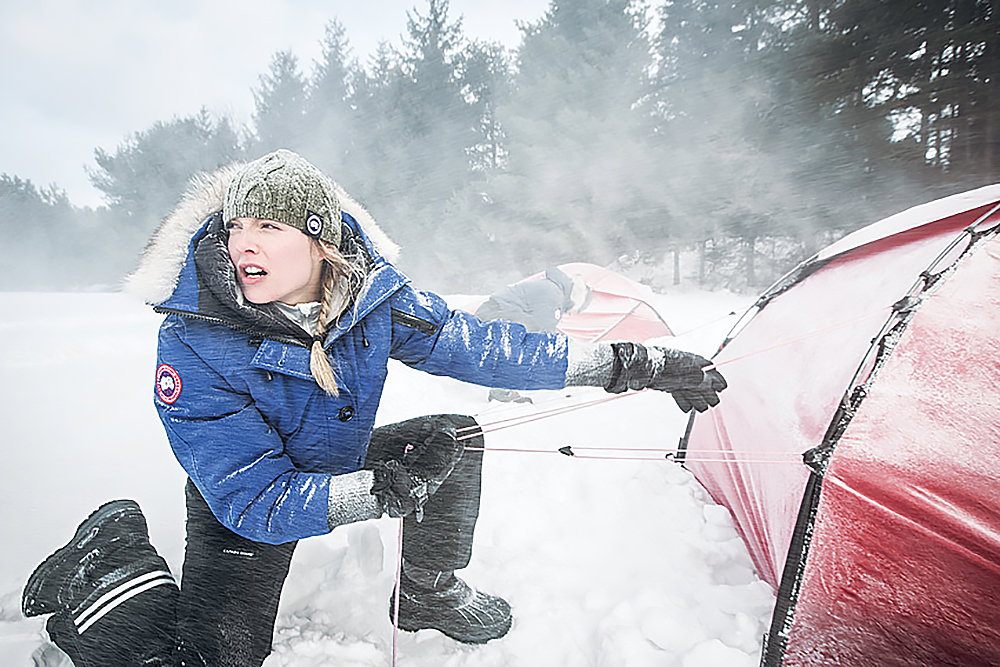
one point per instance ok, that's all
(395, 594)
(668, 455)
(810, 334)
(705, 324)
(500, 424)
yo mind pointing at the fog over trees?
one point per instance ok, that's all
(740, 136)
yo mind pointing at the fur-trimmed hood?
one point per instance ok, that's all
(168, 249)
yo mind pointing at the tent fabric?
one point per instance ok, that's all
(844, 508)
(910, 219)
(930, 547)
(620, 309)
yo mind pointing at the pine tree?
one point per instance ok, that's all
(145, 176)
(329, 123)
(439, 122)
(751, 158)
(64, 248)
(279, 106)
(578, 167)
(380, 173)
(926, 72)
(420, 127)
(487, 80)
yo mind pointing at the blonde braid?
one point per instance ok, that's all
(335, 267)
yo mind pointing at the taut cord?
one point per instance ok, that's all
(499, 424)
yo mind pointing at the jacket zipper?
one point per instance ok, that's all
(235, 327)
(397, 316)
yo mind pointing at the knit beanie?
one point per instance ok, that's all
(285, 187)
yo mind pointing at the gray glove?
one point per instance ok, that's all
(664, 369)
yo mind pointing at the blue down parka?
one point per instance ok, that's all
(245, 418)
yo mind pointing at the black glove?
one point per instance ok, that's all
(664, 369)
(394, 489)
(702, 397)
(432, 449)
(425, 451)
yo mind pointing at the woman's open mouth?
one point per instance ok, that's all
(251, 273)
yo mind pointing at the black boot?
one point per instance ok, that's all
(106, 530)
(111, 595)
(454, 608)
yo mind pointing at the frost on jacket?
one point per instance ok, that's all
(243, 415)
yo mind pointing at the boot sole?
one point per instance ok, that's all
(413, 621)
(32, 603)
(494, 632)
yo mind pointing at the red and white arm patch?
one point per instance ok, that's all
(168, 383)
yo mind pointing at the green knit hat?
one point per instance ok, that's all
(285, 187)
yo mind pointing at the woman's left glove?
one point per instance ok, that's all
(397, 492)
(680, 373)
(430, 451)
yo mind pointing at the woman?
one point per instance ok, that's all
(281, 315)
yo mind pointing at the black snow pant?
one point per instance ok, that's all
(224, 613)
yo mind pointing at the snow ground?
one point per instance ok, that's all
(605, 562)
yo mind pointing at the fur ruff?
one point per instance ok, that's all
(163, 258)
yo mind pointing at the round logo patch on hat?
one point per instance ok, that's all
(314, 225)
(168, 383)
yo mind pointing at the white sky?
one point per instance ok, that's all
(76, 75)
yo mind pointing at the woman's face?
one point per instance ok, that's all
(274, 261)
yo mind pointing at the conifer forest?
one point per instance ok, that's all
(686, 142)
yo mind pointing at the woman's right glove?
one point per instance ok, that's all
(680, 373)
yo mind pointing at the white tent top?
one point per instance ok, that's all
(912, 218)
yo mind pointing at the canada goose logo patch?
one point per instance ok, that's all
(314, 225)
(168, 383)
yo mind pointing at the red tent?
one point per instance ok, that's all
(858, 445)
(620, 308)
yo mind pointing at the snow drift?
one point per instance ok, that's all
(617, 563)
